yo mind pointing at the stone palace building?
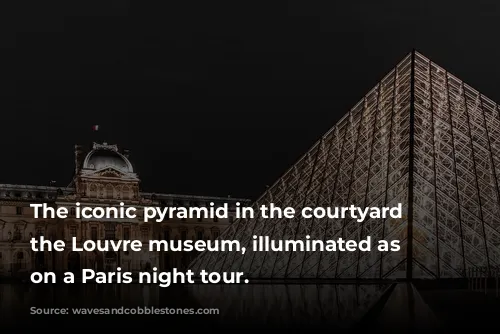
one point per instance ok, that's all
(103, 176)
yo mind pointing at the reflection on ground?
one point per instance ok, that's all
(289, 306)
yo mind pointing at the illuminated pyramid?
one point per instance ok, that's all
(421, 137)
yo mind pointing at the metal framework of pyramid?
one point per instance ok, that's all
(422, 138)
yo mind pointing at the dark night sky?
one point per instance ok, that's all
(212, 98)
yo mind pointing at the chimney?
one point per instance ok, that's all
(79, 156)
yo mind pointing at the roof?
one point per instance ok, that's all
(30, 192)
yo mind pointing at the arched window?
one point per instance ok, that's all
(109, 191)
(126, 192)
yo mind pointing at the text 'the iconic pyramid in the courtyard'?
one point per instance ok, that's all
(421, 137)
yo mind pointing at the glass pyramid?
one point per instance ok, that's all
(421, 137)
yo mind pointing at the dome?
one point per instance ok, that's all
(105, 156)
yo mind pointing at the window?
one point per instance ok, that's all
(93, 190)
(20, 260)
(109, 191)
(93, 233)
(39, 232)
(199, 219)
(72, 212)
(231, 219)
(126, 233)
(183, 235)
(19, 210)
(216, 219)
(199, 235)
(17, 234)
(126, 192)
(145, 234)
(109, 231)
(72, 232)
(216, 234)
(166, 235)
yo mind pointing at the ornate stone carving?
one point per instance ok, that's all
(105, 146)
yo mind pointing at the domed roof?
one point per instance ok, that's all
(103, 156)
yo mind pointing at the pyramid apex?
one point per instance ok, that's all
(422, 139)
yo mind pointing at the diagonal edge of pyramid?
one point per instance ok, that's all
(242, 229)
(342, 119)
(206, 258)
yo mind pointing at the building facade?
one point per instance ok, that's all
(104, 176)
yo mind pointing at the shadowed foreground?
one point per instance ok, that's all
(339, 307)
